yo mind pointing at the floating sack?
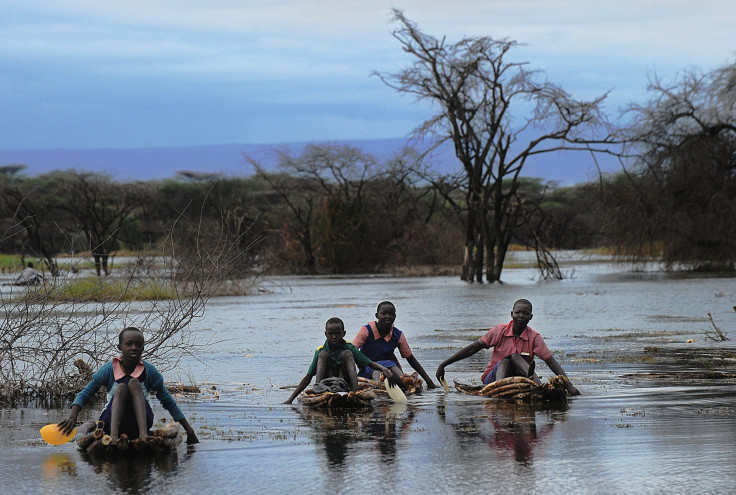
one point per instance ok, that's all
(394, 392)
(444, 385)
(52, 434)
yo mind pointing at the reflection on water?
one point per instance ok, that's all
(58, 464)
(508, 428)
(132, 473)
(338, 431)
(386, 426)
(335, 430)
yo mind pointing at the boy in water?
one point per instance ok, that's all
(128, 380)
(337, 357)
(514, 346)
(379, 339)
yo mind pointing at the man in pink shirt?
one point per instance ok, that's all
(514, 346)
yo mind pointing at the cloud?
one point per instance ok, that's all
(135, 73)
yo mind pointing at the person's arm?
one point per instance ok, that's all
(299, 388)
(393, 380)
(155, 384)
(463, 353)
(555, 367)
(191, 436)
(99, 379)
(418, 368)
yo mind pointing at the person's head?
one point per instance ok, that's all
(30, 265)
(334, 331)
(521, 313)
(385, 315)
(131, 343)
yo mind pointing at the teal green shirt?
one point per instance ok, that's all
(336, 357)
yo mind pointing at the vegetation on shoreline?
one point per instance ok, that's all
(94, 289)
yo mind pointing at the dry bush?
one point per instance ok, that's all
(50, 342)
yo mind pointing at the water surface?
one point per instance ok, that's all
(649, 420)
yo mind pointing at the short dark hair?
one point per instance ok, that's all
(337, 320)
(128, 329)
(522, 301)
(384, 303)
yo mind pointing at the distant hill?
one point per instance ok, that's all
(163, 163)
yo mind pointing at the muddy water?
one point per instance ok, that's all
(651, 418)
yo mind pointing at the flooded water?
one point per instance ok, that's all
(652, 417)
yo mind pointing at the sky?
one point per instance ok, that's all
(166, 73)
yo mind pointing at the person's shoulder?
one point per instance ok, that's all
(498, 328)
(532, 332)
(105, 367)
(103, 372)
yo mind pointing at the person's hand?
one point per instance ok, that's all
(440, 373)
(191, 436)
(393, 379)
(66, 426)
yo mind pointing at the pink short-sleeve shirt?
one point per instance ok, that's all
(501, 338)
(362, 336)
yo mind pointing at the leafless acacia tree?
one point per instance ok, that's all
(681, 196)
(100, 206)
(497, 114)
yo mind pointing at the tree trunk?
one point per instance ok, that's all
(97, 263)
(468, 270)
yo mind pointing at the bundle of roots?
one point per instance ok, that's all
(95, 441)
(412, 384)
(520, 388)
(354, 398)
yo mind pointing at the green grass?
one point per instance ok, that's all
(12, 263)
(93, 289)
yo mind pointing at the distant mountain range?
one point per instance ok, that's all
(228, 159)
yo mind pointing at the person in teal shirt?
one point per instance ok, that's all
(129, 381)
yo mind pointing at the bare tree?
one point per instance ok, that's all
(325, 189)
(681, 194)
(101, 207)
(497, 114)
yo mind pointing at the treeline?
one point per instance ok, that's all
(337, 210)
(330, 210)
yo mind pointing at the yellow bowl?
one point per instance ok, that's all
(51, 434)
